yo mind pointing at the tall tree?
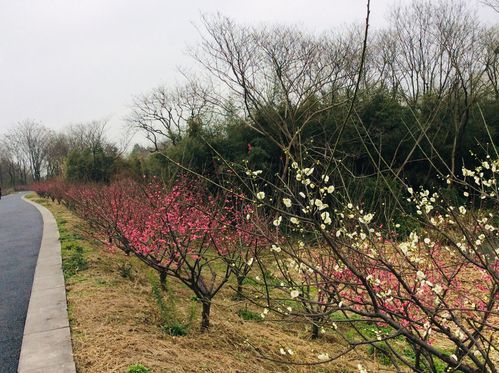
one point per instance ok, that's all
(30, 140)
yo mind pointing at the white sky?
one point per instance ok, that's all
(69, 61)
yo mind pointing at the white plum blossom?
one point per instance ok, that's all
(294, 294)
(308, 171)
(320, 205)
(420, 275)
(366, 219)
(437, 289)
(294, 220)
(323, 357)
(260, 195)
(253, 173)
(326, 218)
(287, 202)
(275, 248)
(277, 221)
(467, 172)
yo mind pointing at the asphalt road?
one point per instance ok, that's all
(20, 236)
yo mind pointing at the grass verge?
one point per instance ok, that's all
(120, 323)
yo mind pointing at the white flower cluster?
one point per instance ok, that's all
(253, 174)
(485, 177)
(423, 200)
(302, 175)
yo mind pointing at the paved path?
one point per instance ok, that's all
(20, 236)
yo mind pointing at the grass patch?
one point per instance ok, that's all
(125, 269)
(74, 260)
(137, 368)
(248, 315)
(169, 312)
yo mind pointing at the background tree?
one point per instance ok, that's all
(162, 114)
(29, 140)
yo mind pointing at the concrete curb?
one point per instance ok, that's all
(46, 345)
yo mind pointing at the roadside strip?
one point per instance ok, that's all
(46, 345)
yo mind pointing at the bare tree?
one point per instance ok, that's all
(29, 140)
(494, 4)
(491, 60)
(281, 75)
(433, 53)
(90, 135)
(8, 165)
(57, 150)
(163, 113)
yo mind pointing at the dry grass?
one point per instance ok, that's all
(115, 323)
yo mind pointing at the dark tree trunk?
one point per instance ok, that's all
(239, 292)
(315, 330)
(205, 320)
(162, 280)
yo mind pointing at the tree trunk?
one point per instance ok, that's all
(162, 280)
(205, 318)
(239, 292)
(315, 330)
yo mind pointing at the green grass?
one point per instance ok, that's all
(137, 368)
(168, 311)
(249, 315)
(74, 260)
(72, 249)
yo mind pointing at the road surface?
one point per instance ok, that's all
(21, 228)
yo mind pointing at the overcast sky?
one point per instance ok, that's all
(70, 61)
